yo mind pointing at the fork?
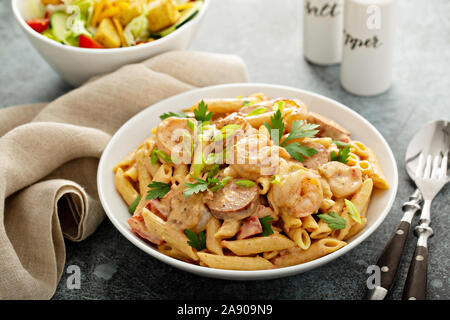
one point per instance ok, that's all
(430, 177)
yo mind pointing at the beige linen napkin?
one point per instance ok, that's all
(49, 156)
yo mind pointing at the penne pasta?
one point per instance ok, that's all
(213, 243)
(359, 149)
(309, 224)
(234, 263)
(322, 231)
(228, 229)
(379, 180)
(173, 237)
(318, 249)
(125, 162)
(361, 198)
(257, 245)
(124, 187)
(144, 176)
(301, 237)
(132, 173)
(263, 184)
(164, 173)
(290, 221)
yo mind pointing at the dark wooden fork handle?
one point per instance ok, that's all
(389, 259)
(416, 281)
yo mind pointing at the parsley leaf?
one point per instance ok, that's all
(196, 242)
(341, 156)
(301, 129)
(340, 144)
(333, 220)
(276, 123)
(352, 211)
(266, 225)
(194, 188)
(173, 114)
(201, 113)
(134, 204)
(157, 190)
(299, 152)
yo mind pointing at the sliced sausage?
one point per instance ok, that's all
(137, 225)
(321, 157)
(234, 202)
(329, 128)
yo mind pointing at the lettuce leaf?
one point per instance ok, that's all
(136, 29)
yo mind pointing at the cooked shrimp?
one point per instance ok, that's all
(254, 156)
(169, 134)
(299, 193)
(343, 180)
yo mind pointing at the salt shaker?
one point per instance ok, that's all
(368, 46)
(322, 31)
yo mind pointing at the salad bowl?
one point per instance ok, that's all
(138, 128)
(76, 65)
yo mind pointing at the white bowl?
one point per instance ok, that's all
(76, 65)
(138, 128)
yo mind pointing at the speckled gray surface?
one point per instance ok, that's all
(267, 35)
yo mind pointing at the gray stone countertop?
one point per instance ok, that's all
(267, 35)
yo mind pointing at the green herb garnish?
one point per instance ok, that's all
(299, 130)
(279, 105)
(341, 156)
(201, 113)
(244, 183)
(173, 114)
(299, 152)
(194, 188)
(276, 179)
(340, 144)
(333, 220)
(196, 242)
(352, 211)
(157, 190)
(134, 204)
(256, 111)
(276, 126)
(266, 225)
(158, 154)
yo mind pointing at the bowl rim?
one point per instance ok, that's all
(244, 274)
(161, 41)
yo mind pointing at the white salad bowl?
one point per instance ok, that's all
(76, 65)
(138, 128)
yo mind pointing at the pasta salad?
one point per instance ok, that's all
(248, 183)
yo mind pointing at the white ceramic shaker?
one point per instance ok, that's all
(322, 31)
(368, 46)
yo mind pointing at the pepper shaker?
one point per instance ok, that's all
(368, 46)
(322, 31)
